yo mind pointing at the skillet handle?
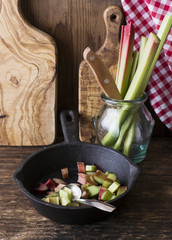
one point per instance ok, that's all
(70, 125)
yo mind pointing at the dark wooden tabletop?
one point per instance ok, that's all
(145, 214)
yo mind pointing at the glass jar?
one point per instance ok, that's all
(125, 126)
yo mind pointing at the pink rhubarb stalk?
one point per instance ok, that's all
(125, 58)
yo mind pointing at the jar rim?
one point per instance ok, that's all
(112, 101)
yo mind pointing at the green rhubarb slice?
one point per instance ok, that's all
(90, 173)
(114, 186)
(121, 190)
(107, 196)
(107, 182)
(93, 191)
(99, 177)
(85, 186)
(45, 199)
(65, 201)
(65, 192)
(113, 197)
(54, 200)
(90, 168)
(112, 176)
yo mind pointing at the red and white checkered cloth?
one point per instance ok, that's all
(146, 16)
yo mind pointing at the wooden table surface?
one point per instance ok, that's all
(145, 214)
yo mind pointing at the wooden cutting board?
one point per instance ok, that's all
(27, 81)
(89, 91)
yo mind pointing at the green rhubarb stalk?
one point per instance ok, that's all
(162, 34)
(125, 59)
(124, 129)
(109, 139)
(143, 41)
(165, 28)
(139, 78)
(134, 65)
(130, 136)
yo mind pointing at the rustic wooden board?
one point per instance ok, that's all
(27, 80)
(89, 90)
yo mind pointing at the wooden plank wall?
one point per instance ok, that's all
(74, 24)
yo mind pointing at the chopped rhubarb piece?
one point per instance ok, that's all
(52, 194)
(60, 186)
(107, 196)
(54, 200)
(84, 186)
(46, 199)
(107, 182)
(91, 173)
(90, 179)
(66, 192)
(65, 201)
(99, 177)
(101, 191)
(81, 178)
(41, 189)
(125, 58)
(65, 173)
(84, 194)
(50, 184)
(121, 190)
(112, 176)
(57, 181)
(90, 168)
(114, 186)
(81, 167)
(84, 178)
(93, 191)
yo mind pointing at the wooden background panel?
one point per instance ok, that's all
(74, 24)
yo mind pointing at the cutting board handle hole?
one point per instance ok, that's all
(113, 18)
(69, 118)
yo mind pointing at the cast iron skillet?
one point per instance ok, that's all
(47, 162)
